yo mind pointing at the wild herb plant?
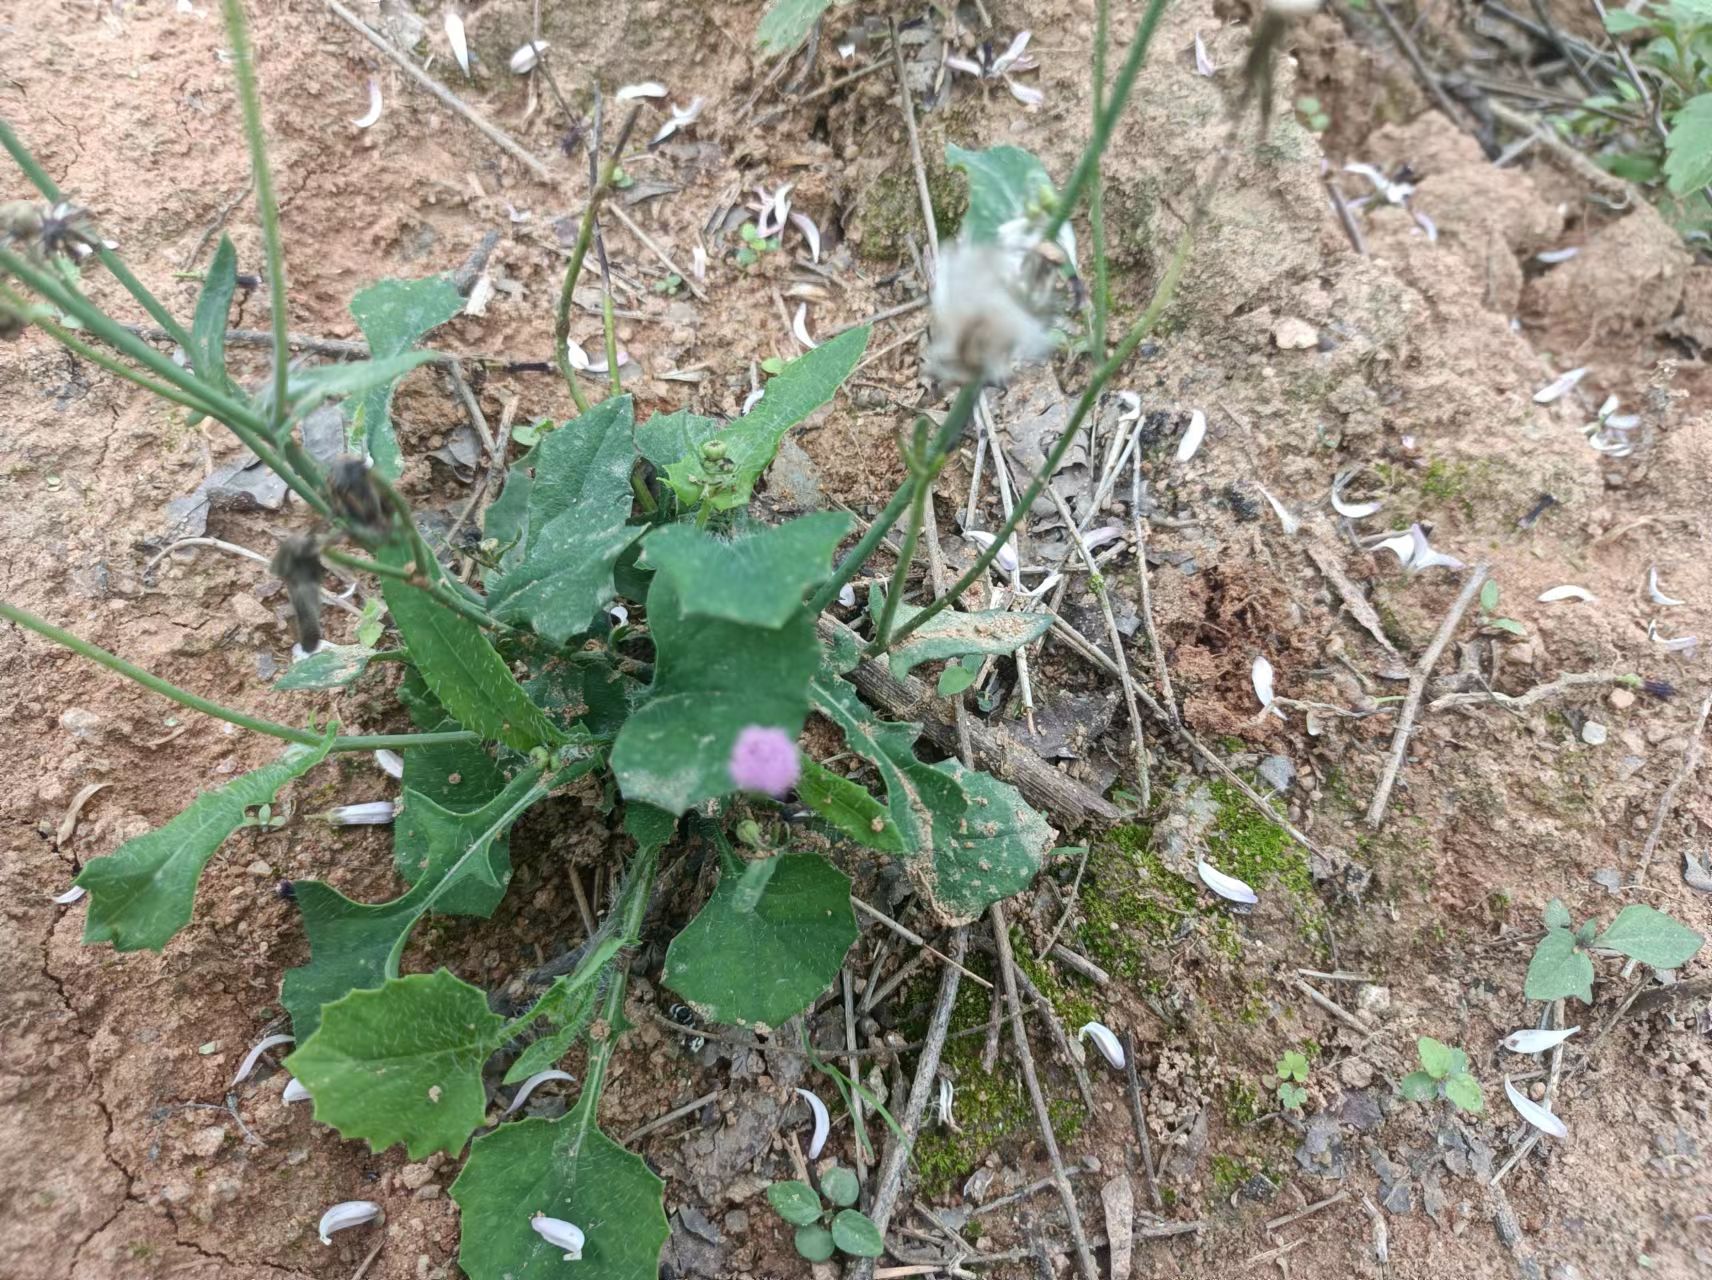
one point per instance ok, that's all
(1444, 1074)
(823, 1228)
(1292, 1072)
(684, 710)
(1562, 963)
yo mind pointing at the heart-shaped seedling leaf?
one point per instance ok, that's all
(1418, 1086)
(402, 1063)
(814, 1243)
(565, 1169)
(560, 573)
(758, 579)
(143, 892)
(854, 1234)
(1464, 1090)
(759, 963)
(795, 1202)
(1557, 915)
(840, 1186)
(1437, 1058)
(1650, 936)
(1558, 969)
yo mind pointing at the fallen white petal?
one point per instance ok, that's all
(1394, 192)
(619, 615)
(847, 50)
(390, 762)
(1099, 537)
(1225, 886)
(1428, 227)
(460, 46)
(681, 118)
(967, 67)
(775, 205)
(698, 262)
(822, 1123)
(751, 400)
(1351, 510)
(560, 1234)
(1007, 558)
(516, 214)
(294, 1092)
(1537, 1041)
(1105, 1040)
(1563, 386)
(1290, 523)
(70, 895)
(1608, 408)
(1622, 422)
(254, 1055)
(597, 364)
(1551, 257)
(1203, 64)
(373, 113)
(1261, 675)
(847, 596)
(1568, 592)
(370, 813)
(1196, 431)
(647, 89)
(528, 57)
(1678, 645)
(1425, 557)
(799, 326)
(1654, 592)
(805, 224)
(1028, 96)
(529, 1086)
(350, 1213)
(1131, 403)
(1007, 59)
(1533, 1112)
(1402, 546)
(947, 1095)
(576, 355)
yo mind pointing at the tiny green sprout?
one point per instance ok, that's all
(1562, 965)
(822, 1229)
(1444, 1074)
(670, 285)
(1312, 115)
(956, 678)
(370, 626)
(772, 366)
(1489, 606)
(1292, 1073)
(622, 180)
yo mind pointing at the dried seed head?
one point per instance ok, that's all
(353, 496)
(987, 317)
(297, 563)
(47, 231)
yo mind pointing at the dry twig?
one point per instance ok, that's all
(1690, 762)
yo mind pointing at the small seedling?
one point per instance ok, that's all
(956, 677)
(1292, 1072)
(1489, 608)
(1444, 1074)
(1563, 962)
(754, 245)
(670, 285)
(1312, 113)
(821, 1229)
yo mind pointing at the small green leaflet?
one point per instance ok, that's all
(1648, 935)
(762, 966)
(1464, 1090)
(840, 1186)
(854, 1234)
(712, 679)
(143, 892)
(394, 315)
(786, 24)
(955, 678)
(759, 578)
(847, 806)
(566, 1169)
(402, 1063)
(575, 526)
(1557, 915)
(795, 1202)
(213, 305)
(1005, 184)
(1688, 146)
(807, 383)
(1418, 1086)
(666, 437)
(949, 634)
(460, 667)
(1437, 1058)
(1559, 968)
(332, 666)
(814, 1242)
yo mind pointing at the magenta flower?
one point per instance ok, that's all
(765, 760)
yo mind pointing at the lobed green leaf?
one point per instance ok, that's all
(758, 578)
(951, 634)
(1688, 146)
(786, 24)
(394, 316)
(1464, 1090)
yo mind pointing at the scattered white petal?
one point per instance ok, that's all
(1537, 1041)
(1554, 391)
(184, 6)
(1196, 431)
(1608, 408)
(370, 813)
(1428, 227)
(1099, 537)
(254, 1055)
(460, 46)
(390, 762)
(1654, 592)
(751, 400)
(1679, 645)
(1025, 94)
(775, 205)
(964, 65)
(597, 364)
(578, 358)
(1533, 1112)
(847, 50)
(1008, 59)
(1261, 675)
(805, 224)
(1007, 558)
(1424, 557)
(373, 113)
(560, 1234)
(822, 1123)
(847, 596)
(1566, 593)
(294, 1092)
(647, 89)
(1105, 1040)
(1203, 64)
(1290, 523)
(528, 57)
(682, 117)
(350, 1213)
(1622, 422)
(70, 896)
(1131, 411)
(799, 326)
(1551, 257)
(1351, 510)
(619, 615)
(516, 214)
(1228, 887)
(532, 1083)
(947, 1095)
(1394, 192)
(698, 262)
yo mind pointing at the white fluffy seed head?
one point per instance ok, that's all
(983, 325)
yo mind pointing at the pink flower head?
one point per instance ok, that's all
(765, 760)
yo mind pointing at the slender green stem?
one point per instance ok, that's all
(113, 662)
(1101, 298)
(1162, 295)
(638, 888)
(249, 98)
(1089, 164)
(644, 499)
(950, 432)
(609, 331)
(415, 577)
(108, 258)
(921, 486)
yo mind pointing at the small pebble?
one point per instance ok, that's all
(1593, 733)
(1294, 335)
(1622, 699)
